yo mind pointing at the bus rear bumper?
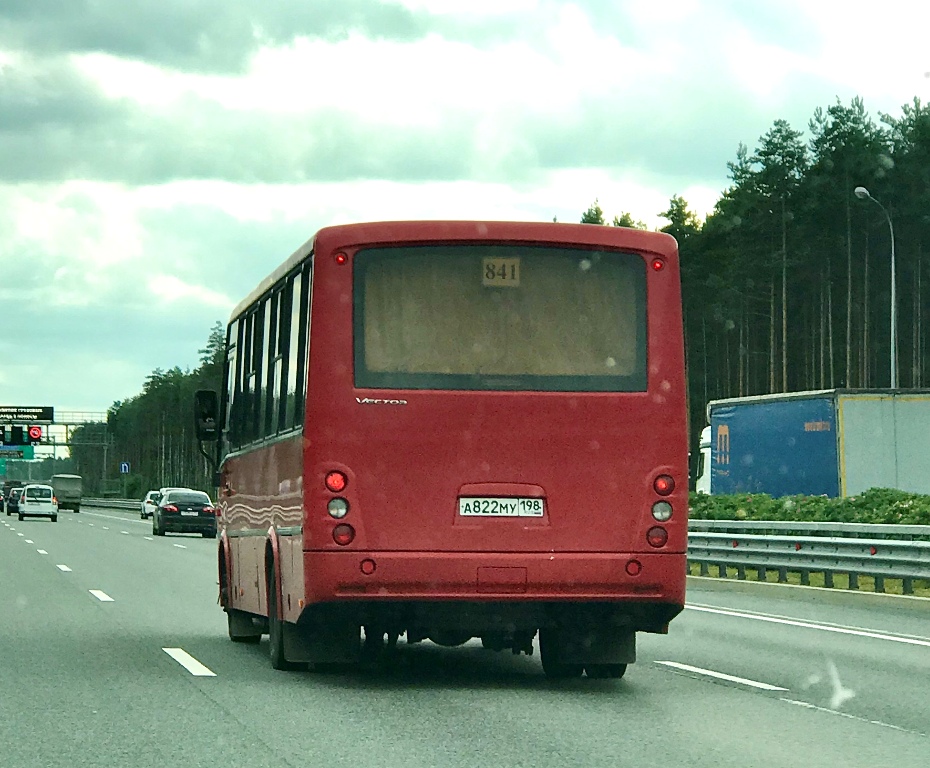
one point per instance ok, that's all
(525, 589)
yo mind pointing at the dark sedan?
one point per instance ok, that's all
(185, 511)
(12, 501)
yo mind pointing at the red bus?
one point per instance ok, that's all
(456, 430)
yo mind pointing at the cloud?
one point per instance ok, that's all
(205, 36)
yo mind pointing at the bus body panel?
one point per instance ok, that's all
(410, 454)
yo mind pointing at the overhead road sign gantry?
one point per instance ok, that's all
(27, 414)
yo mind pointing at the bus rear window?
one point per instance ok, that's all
(494, 317)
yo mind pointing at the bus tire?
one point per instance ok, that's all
(276, 628)
(550, 648)
(605, 671)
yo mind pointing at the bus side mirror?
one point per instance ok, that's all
(206, 413)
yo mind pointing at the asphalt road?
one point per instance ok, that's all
(91, 603)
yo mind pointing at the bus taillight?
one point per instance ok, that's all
(336, 481)
(664, 485)
(657, 536)
(343, 534)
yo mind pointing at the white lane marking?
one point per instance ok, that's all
(30, 541)
(810, 625)
(63, 568)
(148, 538)
(189, 663)
(180, 546)
(806, 705)
(91, 525)
(41, 551)
(126, 532)
(812, 621)
(116, 517)
(106, 528)
(722, 676)
(103, 597)
(19, 534)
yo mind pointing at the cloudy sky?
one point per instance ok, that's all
(159, 157)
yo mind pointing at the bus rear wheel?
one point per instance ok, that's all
(550, 651)
(241, 627)
(605, 671)
(276, 629)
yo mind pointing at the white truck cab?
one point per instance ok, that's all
(702, 484)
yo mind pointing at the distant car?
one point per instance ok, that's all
(38, 501)
(12, 500)
(185, 511)
(8, 485)
(149, 503)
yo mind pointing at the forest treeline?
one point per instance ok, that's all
(786, 286)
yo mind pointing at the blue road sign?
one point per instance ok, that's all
(124, 467)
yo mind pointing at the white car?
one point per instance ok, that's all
(38, 501)
(149, 503)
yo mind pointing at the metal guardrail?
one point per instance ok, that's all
(117, 503)
(864, 550)
(869, 530)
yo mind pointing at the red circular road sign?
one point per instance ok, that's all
(35, 433)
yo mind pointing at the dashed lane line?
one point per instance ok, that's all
(721, 676)
(102, 596)
(189, 663)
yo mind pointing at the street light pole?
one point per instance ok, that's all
(863, 194)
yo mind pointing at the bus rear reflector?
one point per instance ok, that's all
(633, 567)
(343, 534)
(336, 481)
(664, 485)
(657, 536)
(662, 511)
(367, 566)
(338, 508)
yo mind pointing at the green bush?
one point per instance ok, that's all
(878, 505)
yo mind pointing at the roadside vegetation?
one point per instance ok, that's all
(879, 505)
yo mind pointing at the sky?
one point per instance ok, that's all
(158, 158)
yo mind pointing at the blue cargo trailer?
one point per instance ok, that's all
(834, 442)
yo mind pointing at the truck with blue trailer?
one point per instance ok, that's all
(833, 442)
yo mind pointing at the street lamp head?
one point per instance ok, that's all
(862, 193)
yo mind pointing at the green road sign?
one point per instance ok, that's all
(2, 466)
(17, 452)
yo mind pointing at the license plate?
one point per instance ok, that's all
(190, 512)
(491, 506)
